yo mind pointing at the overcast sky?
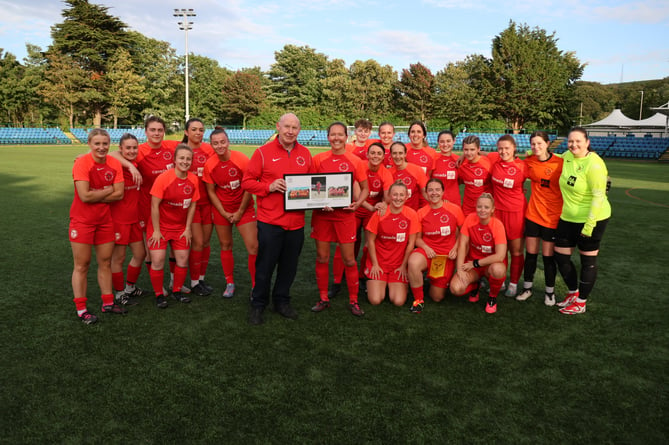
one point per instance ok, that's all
(624, 40)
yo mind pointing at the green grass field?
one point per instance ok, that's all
(199, 373)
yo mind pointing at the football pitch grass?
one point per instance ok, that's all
(198, 373)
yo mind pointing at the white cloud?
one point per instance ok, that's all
(653, 11)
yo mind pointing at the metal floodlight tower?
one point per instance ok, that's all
(185, 25)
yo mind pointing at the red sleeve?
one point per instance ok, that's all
(417, 172)
(414, 225)
(240, 159)
(373, 224)
(252, 180)
(456, 211)
(493, 157)
(386, 178)
(82, 167)
(422, 212)
(116, 165)
(498, 232)
(360, 170)
(170, 144)
(208, 167)
(318, 159)
(195, 180)
(161, 183)
(470, 220)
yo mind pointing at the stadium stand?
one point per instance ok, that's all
(20, 135)
(629, 147)
(114, 133)
(245, 137)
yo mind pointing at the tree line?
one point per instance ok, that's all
(96, 72)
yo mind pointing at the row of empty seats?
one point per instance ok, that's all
(625, 147)
(114, 134)
(20, 135)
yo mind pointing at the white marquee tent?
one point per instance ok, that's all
(617, 124)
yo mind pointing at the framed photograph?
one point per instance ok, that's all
(315, 191)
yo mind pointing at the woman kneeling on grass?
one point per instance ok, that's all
(436, 245)
(98, 181)
(481, 252)
(173, 198)
(390, 241)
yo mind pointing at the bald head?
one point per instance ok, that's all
(288, 128)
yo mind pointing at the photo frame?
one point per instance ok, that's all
(318, 190)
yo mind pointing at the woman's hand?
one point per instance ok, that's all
(188, 235)
(136, 175)
(375, 273)
(402, 272)
(155, 239)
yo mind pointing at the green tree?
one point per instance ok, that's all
(89, 36)
(590, 102)
(63, 84)
(157, 63)
(337, 99)
(12, 92)
(125, 87)
(416, 89)
(296, 77)
(531, 77)
(205, 86)
(460, 92)
(243, 96)
(373, 89)
(36, 110)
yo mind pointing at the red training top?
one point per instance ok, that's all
(98, 177)
(439, 226)
(268, 163)
(482, 237)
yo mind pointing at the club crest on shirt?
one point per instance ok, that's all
(478, 171)
(444, 219)
(343, 167)
(188, 189)
(201, 158)
(423, 159)
(451, 164)
(403, 225)
(406, 180)
(232, 171)
(109, 176)
(548, 171)
(512, 170)
(300, 161)
(376, 184)
(487, 237)
(167, 156)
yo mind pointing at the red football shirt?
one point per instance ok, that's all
(392, 235)
(98, 177)
(439, 226)
(177, 195)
